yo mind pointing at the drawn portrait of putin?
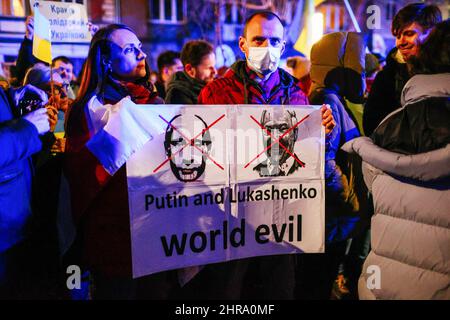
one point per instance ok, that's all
(187, 157)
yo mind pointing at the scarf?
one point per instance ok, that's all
(140, 93)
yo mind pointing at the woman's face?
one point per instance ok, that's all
(127, 58)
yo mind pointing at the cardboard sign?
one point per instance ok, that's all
(68, 21)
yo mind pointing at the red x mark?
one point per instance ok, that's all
(278, 141)
(190, 142)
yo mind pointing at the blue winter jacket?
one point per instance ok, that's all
(19, 139)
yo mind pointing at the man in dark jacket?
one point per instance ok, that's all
(422, 124)
(199, 61)
(168, 64)
(19, 140)
(411, 26)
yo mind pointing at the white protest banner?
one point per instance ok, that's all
(217, 183)
(68, 21)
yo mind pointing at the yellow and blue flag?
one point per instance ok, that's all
(306, 40)
(42, 45)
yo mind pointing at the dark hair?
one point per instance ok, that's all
(269, 15)
(64, 59)
(167, 59)
(38, 75)
(425, 15)
(95, 72)
(194, 51)
(434, 52)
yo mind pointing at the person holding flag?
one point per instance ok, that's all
(63, 65)
(42, 44)
(36, 45)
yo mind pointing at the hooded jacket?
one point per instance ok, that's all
(337, 73)
(238, 86)
(409, 177)
(183, 89)
(423, 123)
(410, 233)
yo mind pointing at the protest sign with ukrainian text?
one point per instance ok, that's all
(68, 22)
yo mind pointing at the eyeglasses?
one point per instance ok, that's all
(129, 49)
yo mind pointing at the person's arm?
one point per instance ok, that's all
(25, 58)
(19, 139)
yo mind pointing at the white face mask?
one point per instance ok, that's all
(263, 60)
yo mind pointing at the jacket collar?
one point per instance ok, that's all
(140, 92)
(244, 74)
(395, 57)
(182, 81)
(278, 80)
(423, 86)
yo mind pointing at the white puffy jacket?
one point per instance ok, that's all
(411, 225)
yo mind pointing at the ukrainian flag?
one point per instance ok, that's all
(306, 40)
(42, 45)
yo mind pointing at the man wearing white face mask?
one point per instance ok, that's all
(258, 80)
(263, 60)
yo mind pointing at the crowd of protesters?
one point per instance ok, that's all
(387, 163)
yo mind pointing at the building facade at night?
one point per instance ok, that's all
(168, 24)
